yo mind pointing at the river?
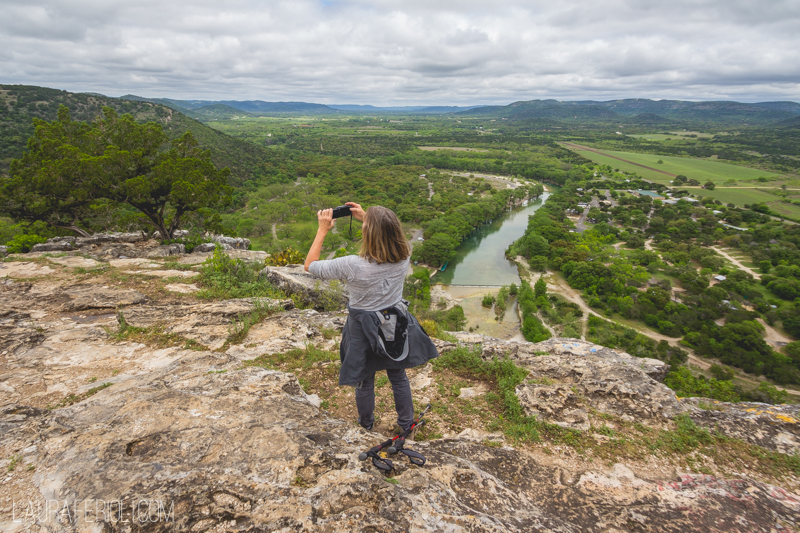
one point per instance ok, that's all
(480, 258)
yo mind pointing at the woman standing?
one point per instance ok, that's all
(380, 333)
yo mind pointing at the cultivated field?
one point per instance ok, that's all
(741, 196)
(699, 169)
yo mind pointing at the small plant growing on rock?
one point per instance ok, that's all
(287, 256)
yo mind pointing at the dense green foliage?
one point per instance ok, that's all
(715, 318)
(74, 170)
(532, 328)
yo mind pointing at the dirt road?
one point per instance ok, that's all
(773, 336)
(561, 287)
(736, 262)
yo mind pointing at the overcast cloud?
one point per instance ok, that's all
(406, 52)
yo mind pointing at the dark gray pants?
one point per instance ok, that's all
(403, 404)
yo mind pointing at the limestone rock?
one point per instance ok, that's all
(295, 280)
(165, 273)
(89, 296)
(204, 247)
(774, 427)
(208, 323)
(572, 385)
(75, 261)
(476, 435)
(468, 393)
(423, 378)
(121, 250)
(63, 246)
(113, 237)
(246, 450)
(236, 243)
(139, 262)
(167, 250)
(24, 269)
(182, 288)
(248, 256)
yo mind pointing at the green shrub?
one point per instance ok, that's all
(768, 393)
(222, 277)
(488, 300)
(685, 384)
(21, 244)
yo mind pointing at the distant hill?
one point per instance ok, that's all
(249, 106)
(216, 112)
(790, 123)
(648, 119)
(649, 111)
(355, 108)
(551, 109)
(20, 104)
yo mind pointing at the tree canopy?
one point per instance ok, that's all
(71, 168)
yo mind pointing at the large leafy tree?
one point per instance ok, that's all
(72, 166)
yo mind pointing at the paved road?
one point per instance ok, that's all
(580, 226)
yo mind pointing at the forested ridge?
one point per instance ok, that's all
(20, 104)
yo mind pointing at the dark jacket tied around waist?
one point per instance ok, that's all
(380, 340)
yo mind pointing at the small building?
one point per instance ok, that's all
(720, 277)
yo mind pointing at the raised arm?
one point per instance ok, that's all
(325, 219)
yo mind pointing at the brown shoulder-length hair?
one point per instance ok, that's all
(383, 237)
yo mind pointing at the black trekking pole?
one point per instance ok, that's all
(394, 445)
(381, 463)
(400, 441)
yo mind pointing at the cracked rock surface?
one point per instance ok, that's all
(245, 449)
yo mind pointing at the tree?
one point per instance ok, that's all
(436, 250)
(680, 179)
(540, 287)
(709, 185)
(71, 166)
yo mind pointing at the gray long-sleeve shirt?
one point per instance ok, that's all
(370, 286)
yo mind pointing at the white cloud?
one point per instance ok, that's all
(389, 52)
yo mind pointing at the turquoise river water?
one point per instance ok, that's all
(480, 259)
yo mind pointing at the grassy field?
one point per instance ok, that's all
(732, 195)
(741, 196)
(787, 210)
(699, 169)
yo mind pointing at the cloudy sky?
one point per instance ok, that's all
(406, 52)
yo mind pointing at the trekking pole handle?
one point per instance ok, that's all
(375, 449)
